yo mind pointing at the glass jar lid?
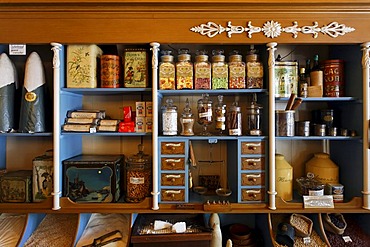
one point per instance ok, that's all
(140, 158)
(235, 56)
(218, 56)
(169, 105)
(187, 110)
(184, 55)
(201, 56)
(166, 56)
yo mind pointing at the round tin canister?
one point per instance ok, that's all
(284, 121)
(319, 129)
(302, 128)
(333, 78)
(285, 78)
(110, 71)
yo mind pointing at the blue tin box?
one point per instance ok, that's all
(93, 178)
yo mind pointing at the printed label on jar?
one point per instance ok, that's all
(221, 119)
(205, 114)
(235, 132)
(134, 180)
(187, 120)
(316, 192)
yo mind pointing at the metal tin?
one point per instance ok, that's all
(333, 78)
(302, 128)
(285, 78)
(319, 129)
(284, 123)
(110, 71)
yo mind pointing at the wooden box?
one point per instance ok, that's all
(93, 178)
(82, 66)
(143, 233)
(135, 68)
(43, 171)
(16, 186)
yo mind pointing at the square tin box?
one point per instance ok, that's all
(93, 178)
(43, 172)
(135, 68)
(16, 186)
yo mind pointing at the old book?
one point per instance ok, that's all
(82, 121)
(86, 114)
(79, 127)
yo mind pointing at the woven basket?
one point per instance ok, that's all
(295, 218)
(331, 227)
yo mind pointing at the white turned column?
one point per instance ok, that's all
(56, 126)
(271, 63)
(155, 192)
(366, 118)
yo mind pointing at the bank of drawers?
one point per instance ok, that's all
(173, 171)
(251, 166)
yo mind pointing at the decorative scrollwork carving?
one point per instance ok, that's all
(272, 29)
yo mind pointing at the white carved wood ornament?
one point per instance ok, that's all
(272, 29)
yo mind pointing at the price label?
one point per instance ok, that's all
(17, 49)
(347, 239)
(93, 130)
(307, 240)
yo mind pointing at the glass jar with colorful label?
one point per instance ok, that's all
(236, 71)
(169, 118)
(202, 71)
(220, 75)
(167, 71)
(254, 70)
(184, 70)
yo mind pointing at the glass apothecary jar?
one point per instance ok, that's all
(202, 71)
(220, 115)
(236, 71)
(167, 71)
(184, 70)
(169, 118)
(234, 120)
(205, 115)
(138, 176)
(254, 70)
(254, 115)
(187, 121)
(220, 75)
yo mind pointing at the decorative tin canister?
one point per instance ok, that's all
(110, 71)
(285, 78)
(333, 78)
(324, 169)
(284, 178)
(302, 128)
(284, 123)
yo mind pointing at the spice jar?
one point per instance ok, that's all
(202, 71)
(220, 78)
(169, 118)
(167, 71)
(234, 120)
(187, 121)
(310, 186)
(236, 71)
(254, 70)
(184, 70)
(284, 178)
(220, 112)
(205, 116)
(138, 176)
(254, 112)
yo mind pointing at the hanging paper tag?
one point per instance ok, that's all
(347, 239)
(17, 49)
(307, 240)
(92, 130)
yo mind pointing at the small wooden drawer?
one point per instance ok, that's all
(253, 147)
(173, 179)
(173, 195)
(172, 164)
(253, 194)
(249, 179)
(173, 148)
(253, 163)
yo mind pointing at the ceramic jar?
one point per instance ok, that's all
(284, 178)
(323, 168)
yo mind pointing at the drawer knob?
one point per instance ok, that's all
(173, 164)
(252, 163)
(173, 179)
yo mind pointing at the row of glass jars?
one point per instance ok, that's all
(203, 74)
(231, 118)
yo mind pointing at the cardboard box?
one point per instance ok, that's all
(148, 108)
(140, 109)
(93, 178)
(140, 124)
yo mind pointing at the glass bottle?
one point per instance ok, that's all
(187, 121)
(169, 118)
(303, 85)
(236, 71)
(220, 112)
(205, 116)
(234, 120)
(317, 75)
(220, 78)
(167, 71)
(308, 71)
(202, 71)
(254, 70)
(254, 113)
(184, 70)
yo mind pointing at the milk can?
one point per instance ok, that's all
(138, 176)
(283, 178)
